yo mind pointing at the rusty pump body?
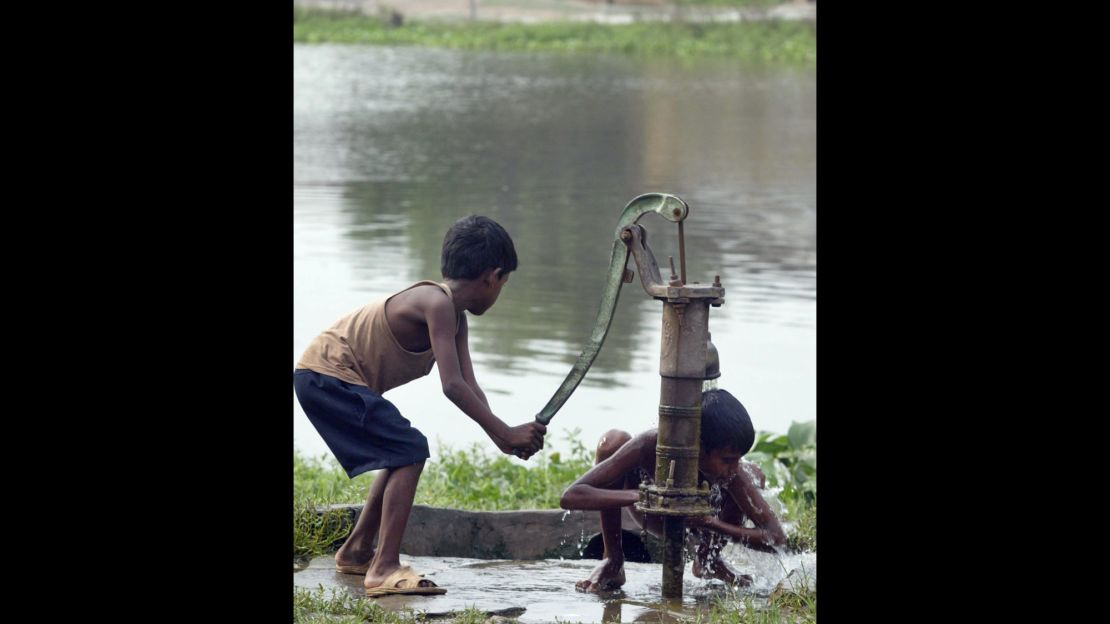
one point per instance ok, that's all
(686, 360)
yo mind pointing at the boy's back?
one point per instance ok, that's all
(379, 345)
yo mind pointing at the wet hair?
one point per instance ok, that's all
(725, 423)
(473, 245)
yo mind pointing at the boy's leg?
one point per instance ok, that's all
(610, 574)
(358, 550)
(396, 506)
(611, 518)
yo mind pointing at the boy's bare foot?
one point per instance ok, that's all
(606, 577)
(376, 576)
(351, 559)
(717, 568)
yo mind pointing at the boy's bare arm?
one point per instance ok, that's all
(440, 315)
(768, 533)
(462, 346)
(602, 486)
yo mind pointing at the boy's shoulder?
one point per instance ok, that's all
(419, 303)
(423, 296)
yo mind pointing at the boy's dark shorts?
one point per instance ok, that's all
(363, 430)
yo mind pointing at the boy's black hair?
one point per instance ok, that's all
(474, 244)
(725, 423)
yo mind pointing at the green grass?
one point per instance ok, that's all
(793, 42)
(314, 532)
(803, 515)
(481, 480)
(757, 4)
(340, 607)
(783, 607)
(475, 479)
(316, 606)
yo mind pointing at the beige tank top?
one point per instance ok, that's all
(361, 349)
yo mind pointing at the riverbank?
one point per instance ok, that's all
(769, 41)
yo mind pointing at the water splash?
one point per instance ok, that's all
(791, 571)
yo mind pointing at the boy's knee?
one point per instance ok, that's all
(611, 441)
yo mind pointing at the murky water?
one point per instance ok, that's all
(392, 145)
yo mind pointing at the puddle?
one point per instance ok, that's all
(543, 590)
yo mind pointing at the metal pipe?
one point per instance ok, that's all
(683, 362)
